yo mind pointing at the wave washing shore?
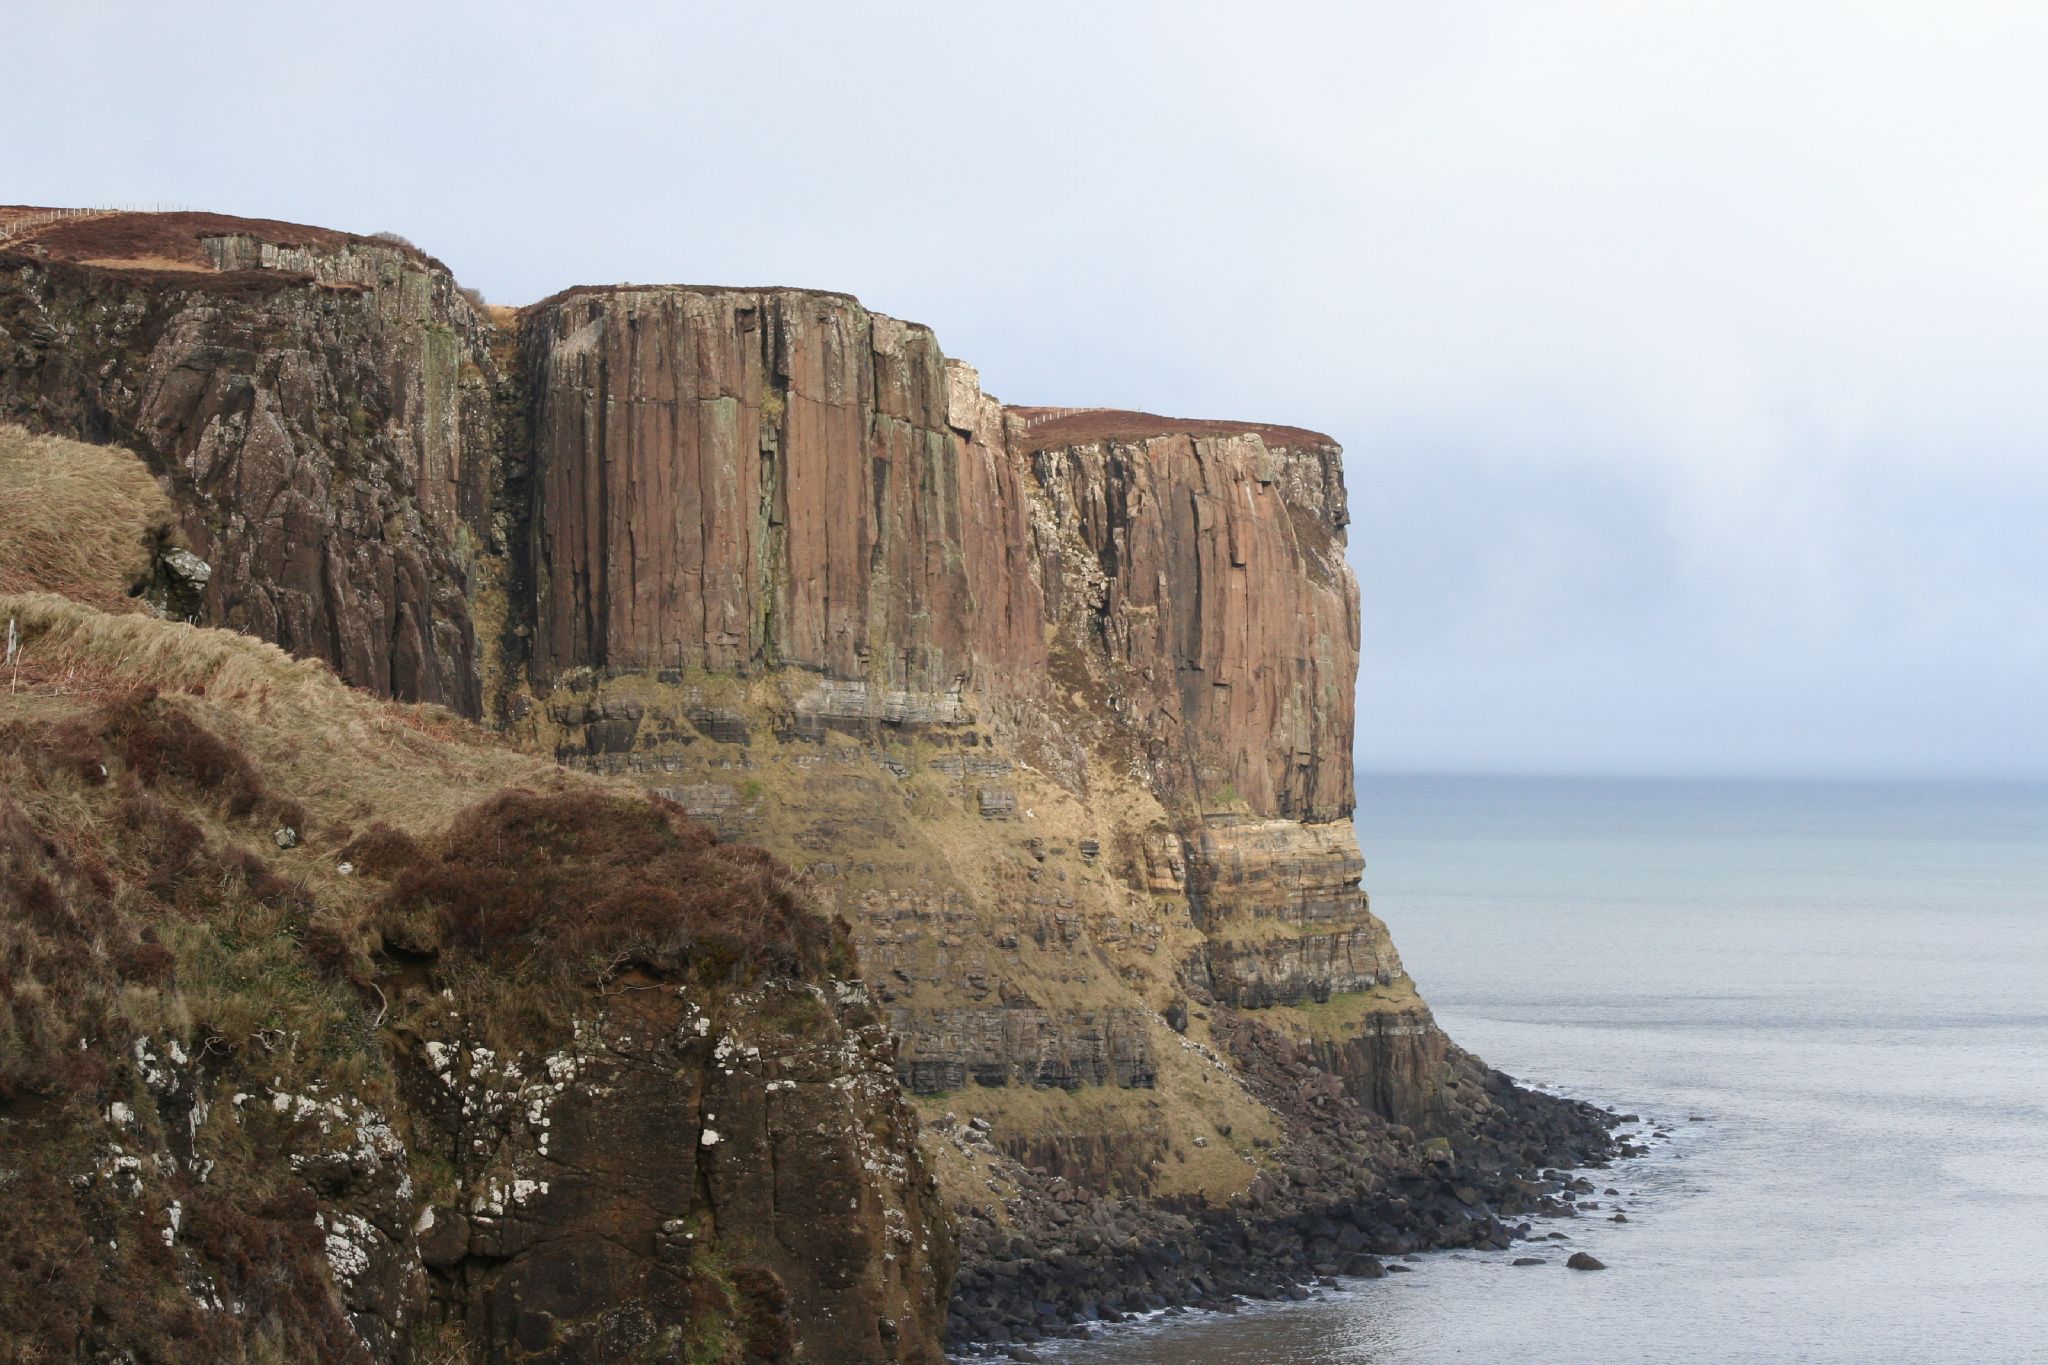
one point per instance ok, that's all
(1847, 983)
(1281, 1319)
(1068, 1267)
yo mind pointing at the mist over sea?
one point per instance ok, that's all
(1846, 982)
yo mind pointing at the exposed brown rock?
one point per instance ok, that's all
(320, 413)
(632, 1172)
(1054, 705)
(731, 480)
(1202, 579)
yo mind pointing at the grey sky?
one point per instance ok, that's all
(1689, 357)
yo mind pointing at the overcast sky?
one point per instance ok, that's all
(1691, 359)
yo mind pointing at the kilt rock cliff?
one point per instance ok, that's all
(886, 882)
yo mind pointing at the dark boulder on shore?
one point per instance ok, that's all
(1581, 1261)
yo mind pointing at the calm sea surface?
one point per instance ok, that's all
(1848, 983)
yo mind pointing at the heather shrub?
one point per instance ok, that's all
(160, 744)
(103, 870)
(381, 851)
(582, 887)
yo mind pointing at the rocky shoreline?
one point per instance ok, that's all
(1058, 1262)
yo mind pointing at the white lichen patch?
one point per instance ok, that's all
(350, 1239)
(495, 1200)
(155, 1074)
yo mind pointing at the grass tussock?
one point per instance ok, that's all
(349, 759)
(76, 519)
(58, 633)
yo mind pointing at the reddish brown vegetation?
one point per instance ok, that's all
(79, 901)
(100, 866)
(590, 887)
(271, 1258)
(764, 1323)
(381, 851)
(266, 1256)
(177, 236)
(582, 884)
(1089, 425)
(160, 744)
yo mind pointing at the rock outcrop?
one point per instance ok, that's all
(1054, 706)
(319, 405)
(779, 486)
(732, 480)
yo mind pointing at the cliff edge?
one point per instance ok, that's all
(1052, 706)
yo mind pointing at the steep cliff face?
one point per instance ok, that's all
(764, 518)
(320, 405)
(1199, 579)
(1053, 706)
(736, 480)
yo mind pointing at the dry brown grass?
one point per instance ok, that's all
(76, 519)
(131, 239)
(346, 756)
(147, 262)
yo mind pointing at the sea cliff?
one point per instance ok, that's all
(1051, 708)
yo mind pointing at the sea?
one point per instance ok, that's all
(1831, 996)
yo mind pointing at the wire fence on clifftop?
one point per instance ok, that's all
(16, 226)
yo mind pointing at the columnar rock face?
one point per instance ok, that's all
(319, 405)
(761, 517)
(1207, 571)
(1053, 705)
(732, 480)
